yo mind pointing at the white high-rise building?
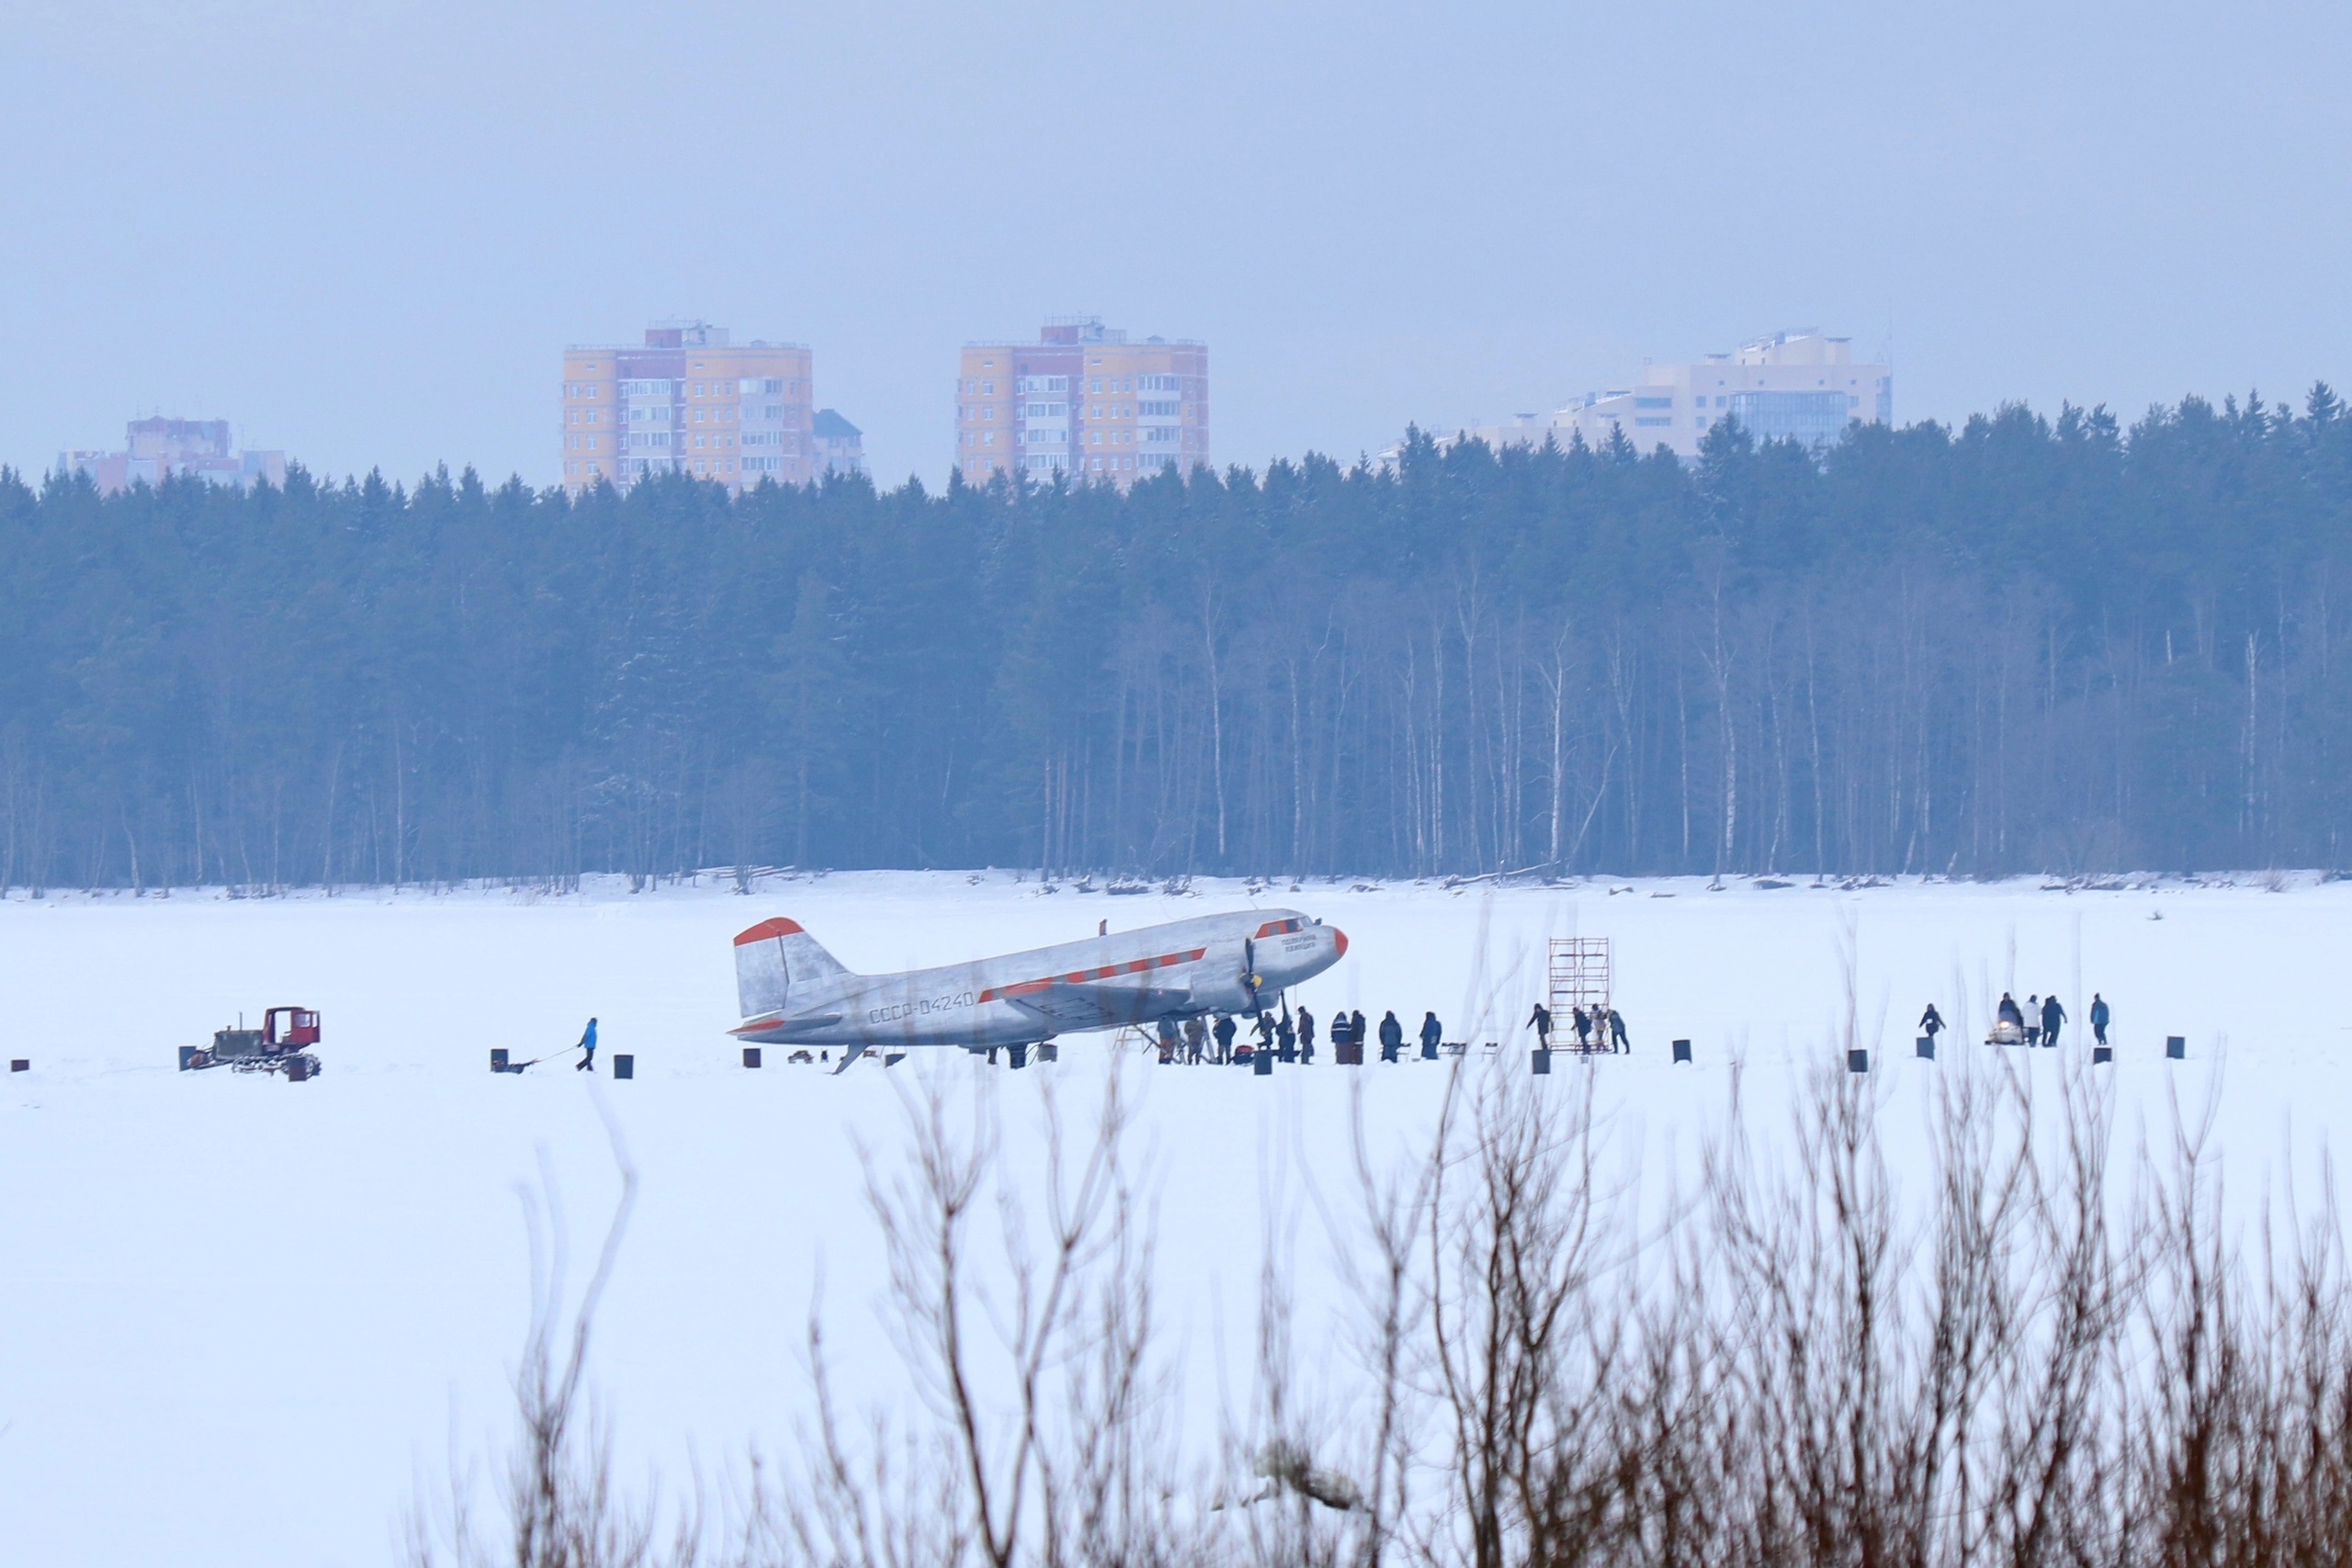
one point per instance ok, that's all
(1793, 385)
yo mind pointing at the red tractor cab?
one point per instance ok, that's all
(301, 1029)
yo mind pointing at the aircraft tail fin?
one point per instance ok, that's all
(772, 959)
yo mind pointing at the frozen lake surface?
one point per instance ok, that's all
(237, 1316)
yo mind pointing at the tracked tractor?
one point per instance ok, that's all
(275, 1047)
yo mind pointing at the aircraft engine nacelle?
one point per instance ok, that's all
(1219, 983)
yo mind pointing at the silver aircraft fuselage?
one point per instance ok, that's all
(1229, 964)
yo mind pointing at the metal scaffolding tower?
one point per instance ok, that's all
(1579, 979)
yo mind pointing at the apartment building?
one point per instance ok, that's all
(1801, 386)
(687, 400)
(840, 445)
(160, 448)
(1081, 400)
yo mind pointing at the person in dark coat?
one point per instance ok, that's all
(1931, 1022)
(1265, 1027)
(587, 1062)
(1305, 1035)
(1392, 1037)
(1356, 1033)
(2052, 1015)
(2010, 1012)
(1286, 1038)
(1583, 1022)
(1540, 1020)
(1618, 1039)
(1432, 1032)
(1223, 1031)
(1196, 1035)
(2099, 1017)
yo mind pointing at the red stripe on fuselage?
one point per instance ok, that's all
(1134, 966)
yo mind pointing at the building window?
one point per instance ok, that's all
(1653, 402)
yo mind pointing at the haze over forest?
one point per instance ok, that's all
(364, 234)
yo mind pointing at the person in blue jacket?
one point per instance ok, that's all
(587, 1062)
(1431, 1033)
(2100, 1017)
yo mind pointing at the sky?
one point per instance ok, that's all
(364, 233)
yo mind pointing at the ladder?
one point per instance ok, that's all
(1578, 977)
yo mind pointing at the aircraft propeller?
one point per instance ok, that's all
(1250, 978)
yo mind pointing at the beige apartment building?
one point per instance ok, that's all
(687, 400)
(1800, 384)
(158, 449)
(1081, 400)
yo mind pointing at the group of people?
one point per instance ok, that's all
(1290, 1036)
(2038, 1022)
(1604, 1021)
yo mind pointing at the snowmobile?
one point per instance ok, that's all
(272, 1048)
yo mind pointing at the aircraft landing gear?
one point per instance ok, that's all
(1020, 1055)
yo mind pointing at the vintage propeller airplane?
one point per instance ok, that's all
(793, 992)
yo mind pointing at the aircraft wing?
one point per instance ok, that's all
(1070, 1006)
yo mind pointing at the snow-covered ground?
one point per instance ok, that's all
(238, 1316)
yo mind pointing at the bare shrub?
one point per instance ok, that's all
(1025, 1320)
(561, 1506)
(2040, 1356)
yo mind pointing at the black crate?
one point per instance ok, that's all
(624, 1066)
(750, 1056)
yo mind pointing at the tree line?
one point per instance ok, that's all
(2017, 644)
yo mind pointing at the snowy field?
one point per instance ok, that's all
(238, 1316)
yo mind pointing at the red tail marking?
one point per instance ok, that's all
(766, 929)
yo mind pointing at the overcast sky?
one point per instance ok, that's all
(364, 233)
